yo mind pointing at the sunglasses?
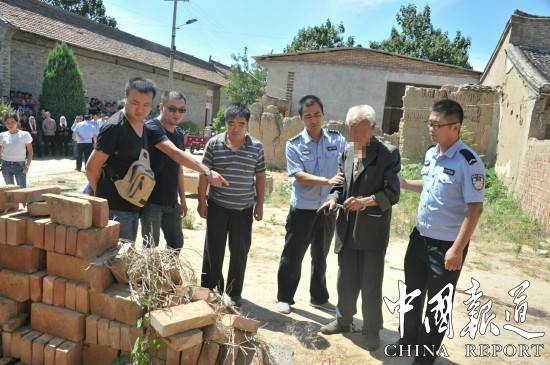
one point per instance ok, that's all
(173, 109)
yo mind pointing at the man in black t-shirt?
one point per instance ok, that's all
(162, 209)
(119, 144)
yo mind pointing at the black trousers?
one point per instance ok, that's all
(305, 227)
(49, 145)
(360, 270)
(219, 223)
(36, 145)
(425, 271)
(83, 149)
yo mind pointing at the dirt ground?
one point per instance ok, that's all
(497, 268)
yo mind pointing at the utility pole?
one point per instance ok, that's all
(173, 46)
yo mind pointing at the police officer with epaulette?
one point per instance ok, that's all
(312, 161)
(451, 203)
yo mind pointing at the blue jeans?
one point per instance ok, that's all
(128, 223)
(154, 217)
(11, 170)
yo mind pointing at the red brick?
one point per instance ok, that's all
(100, 208)
(38, 209)
(57, 321)
(70, 294)
(25, 348)
(16, 340)
(114, 334)
(24, 258)
(103, 332)
(38, 349)
(66, 266)
(8, 309)
(60, 238)
(98, 355)
(94, 241)
(82, 298)
(91, 329)
(115, 303)
(181, 318)
(191, 356)
(200, 293)
(15, 285)
(240, 322)
(184, 340)
(4, 204)
(47, 289)
(36, 284)
(99, 277)
(49, 236)
(70, 244)
(30, 195)
(49, 350)
(6, 343)
(15, 322)
(70, 211)
(172, 357)
(4, 224)
(59, 292)
(209, 354)
(16, 230)
(68, 353)
(128, 336)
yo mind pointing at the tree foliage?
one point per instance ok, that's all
(326, 35)
(418, 38)
(91, 9)
(63, 85)
(246, 82)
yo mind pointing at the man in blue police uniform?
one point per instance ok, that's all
(312, 161)
(451, 203)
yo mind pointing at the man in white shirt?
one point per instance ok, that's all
(86, 133)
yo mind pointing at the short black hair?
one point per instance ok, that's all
(309, 100)
(449, 108)
(142, 85)
(236, 110)
(172, 95)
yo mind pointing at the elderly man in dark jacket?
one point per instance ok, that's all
(364, 202)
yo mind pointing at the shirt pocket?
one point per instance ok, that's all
(445, 185)
(309, 163)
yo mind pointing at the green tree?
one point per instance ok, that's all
(246, 82)
(418, 38)
(218, 122)
(63, 85)
(91, 9)
(318, 37)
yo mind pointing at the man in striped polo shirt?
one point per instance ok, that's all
(229, 209)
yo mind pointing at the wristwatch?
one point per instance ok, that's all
(207, 172)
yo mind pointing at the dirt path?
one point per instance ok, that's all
(497, 269)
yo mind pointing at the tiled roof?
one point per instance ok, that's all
(35, 17)
(366, 57)
(539, 58)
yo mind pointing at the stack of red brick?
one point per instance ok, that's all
(59, 307)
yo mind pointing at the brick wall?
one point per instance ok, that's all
(529, 31)
(534, 194)
(104, 76)
(480, 117)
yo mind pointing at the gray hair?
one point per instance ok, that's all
(360, 113)
(172, 95)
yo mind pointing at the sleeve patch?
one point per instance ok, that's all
(478, 181)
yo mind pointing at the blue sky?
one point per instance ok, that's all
(225, 27)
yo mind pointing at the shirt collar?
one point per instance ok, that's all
(247, 139)
(307, 138)
(451, 151)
